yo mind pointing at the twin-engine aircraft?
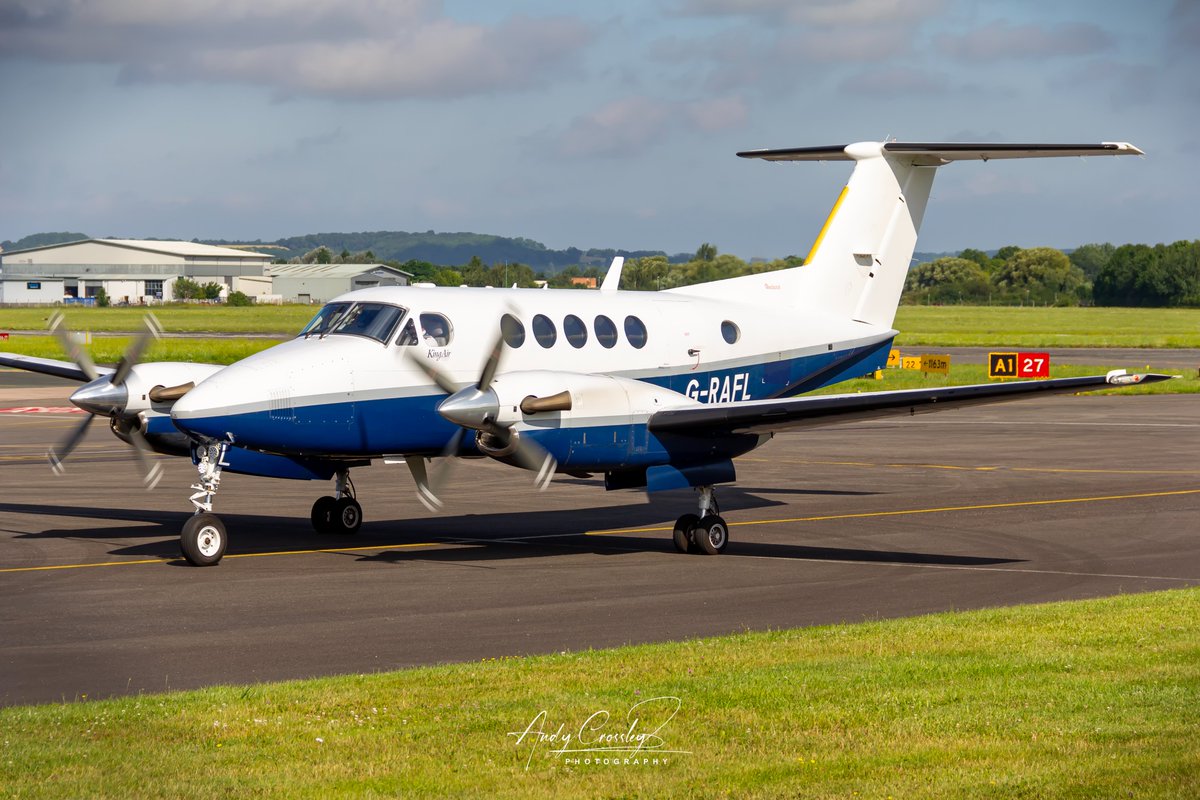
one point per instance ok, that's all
(654, 390)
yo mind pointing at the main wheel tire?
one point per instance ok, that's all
(322, 515)
(203, 540)
(711, 535)
(682, 535)
(347, 516)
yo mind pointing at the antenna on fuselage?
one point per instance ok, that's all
(612, 279)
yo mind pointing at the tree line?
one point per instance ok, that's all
(1094, 274)
(1161, 275)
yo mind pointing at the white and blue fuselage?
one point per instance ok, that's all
(353, 392)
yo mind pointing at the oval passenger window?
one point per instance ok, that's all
(544, 331)
(512, 330)
(635, 332)
(575, 331)
(606, 331)
(730, 331)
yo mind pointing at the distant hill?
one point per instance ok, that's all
(41, 240)
(446, 249)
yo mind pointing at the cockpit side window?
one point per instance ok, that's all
(324, 320)
(408, 334)
(436, 330)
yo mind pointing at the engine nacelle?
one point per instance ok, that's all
(146, 377)
(593, 399)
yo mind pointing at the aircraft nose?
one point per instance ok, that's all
(202, 412)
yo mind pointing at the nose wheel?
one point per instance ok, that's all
(706, 533)
(203, 540)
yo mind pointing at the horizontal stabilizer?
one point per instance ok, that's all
(798, 412)
(49, 366)
(938, 153)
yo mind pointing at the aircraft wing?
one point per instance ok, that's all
(759, 416)
(49, 366)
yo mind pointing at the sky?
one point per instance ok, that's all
(588, 124)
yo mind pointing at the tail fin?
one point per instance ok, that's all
(859, 261)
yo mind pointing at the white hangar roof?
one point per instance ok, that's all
(188, 251)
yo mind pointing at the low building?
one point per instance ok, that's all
(136, 270)
(316, 283)
(30, 291)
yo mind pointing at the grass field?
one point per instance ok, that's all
(175, 318)
(963, 374)
(987, 326)
(934, 326)
(1098, 698)
(107, 349)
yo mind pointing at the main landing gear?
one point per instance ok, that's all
(203, 537)
(705, 533)
(340, 513)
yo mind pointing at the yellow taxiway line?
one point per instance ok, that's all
(908, 511)
(621, 531)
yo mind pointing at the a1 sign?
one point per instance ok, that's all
(1018, 365)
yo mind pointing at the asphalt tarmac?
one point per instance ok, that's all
(1056, 498)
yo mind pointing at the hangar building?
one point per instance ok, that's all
(316, 283)
(129, 270)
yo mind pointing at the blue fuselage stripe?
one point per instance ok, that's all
(366, 428)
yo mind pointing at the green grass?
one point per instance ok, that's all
(108, 349)
(934, 326)
(964, 374)
(175, 318)
(993, 326)
(1098, 698)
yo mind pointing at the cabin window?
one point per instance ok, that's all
(436, 330)
(575, 331)
(606, 331)
(544, 331)
(635, 332)
(373, 320)
(730, 331)
(513, 331)
(408, 334)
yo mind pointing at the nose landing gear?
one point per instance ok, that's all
(203, 537)
(706, 533)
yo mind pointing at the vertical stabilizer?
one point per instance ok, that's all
(860, 259)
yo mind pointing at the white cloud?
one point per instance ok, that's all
(819, 12)
(1000, 40)
(631, 125)
(338, 48)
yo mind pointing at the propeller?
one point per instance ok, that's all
(477, 407)
(106, 395)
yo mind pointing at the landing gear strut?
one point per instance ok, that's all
(340, 513)
(705, 533)
(203, 537)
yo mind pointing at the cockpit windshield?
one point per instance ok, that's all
(374, 320)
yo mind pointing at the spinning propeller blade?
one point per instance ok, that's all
(64, 448)
(475, 407)
(105, 395)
